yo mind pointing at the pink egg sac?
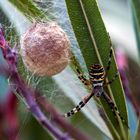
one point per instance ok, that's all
(45, 49)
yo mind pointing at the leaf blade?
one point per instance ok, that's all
(90, 31)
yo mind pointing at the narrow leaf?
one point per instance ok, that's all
(135, 4)
(95, 44)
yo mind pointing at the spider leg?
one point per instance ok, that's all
(109, 61)
(113, 107)
(110, 56)
(79, 106)
(81, 77)
(112, 80)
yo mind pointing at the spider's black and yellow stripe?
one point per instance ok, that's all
(96, 74)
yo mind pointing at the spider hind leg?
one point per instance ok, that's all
(75, 110)
(113, 107)
(79, 106)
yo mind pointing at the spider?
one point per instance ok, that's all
(96, 82)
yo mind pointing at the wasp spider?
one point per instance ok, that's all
(96, 81)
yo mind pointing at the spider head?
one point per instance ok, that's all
(97, 75)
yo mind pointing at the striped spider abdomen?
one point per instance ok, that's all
(96, 75)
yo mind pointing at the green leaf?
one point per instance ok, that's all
(28, 8)
(94, 43)
(135, 8)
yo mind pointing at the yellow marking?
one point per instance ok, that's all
(96, 73)
(101, 79)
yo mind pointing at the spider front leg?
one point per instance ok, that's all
(85, 81)
(79, 106)
(109, 61)
(108, 68)
(113, 107)
(80, 75)
(112, 80)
